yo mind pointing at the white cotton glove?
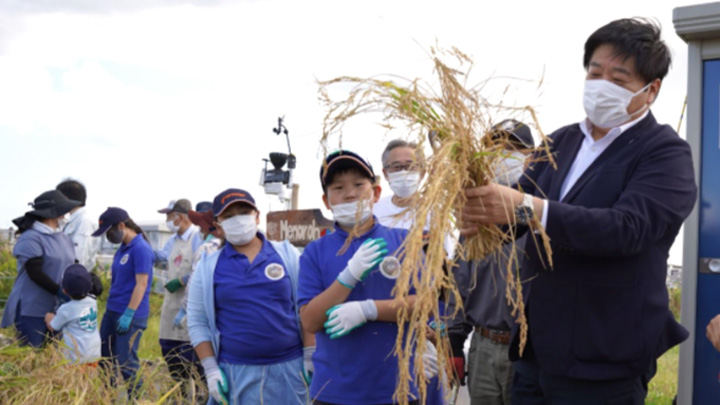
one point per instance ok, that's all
(216, 381)
(430, 361)
(308, 367)
(370, 253)
(343, 318)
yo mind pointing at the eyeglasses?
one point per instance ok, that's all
(398, 167)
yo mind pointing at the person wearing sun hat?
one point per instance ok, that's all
(128, 303)
(43, 252)
(242, 312)
(345, 295)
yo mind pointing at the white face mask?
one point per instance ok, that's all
(172, 227)
(240, 229)
(346, 214)
(606, 103)
(510, 169)
(404, 183)
(62, 223)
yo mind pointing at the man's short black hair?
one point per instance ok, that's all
(73, 190)
(636, 38)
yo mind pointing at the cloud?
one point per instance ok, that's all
(99, 7)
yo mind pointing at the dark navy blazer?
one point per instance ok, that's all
(602, 311)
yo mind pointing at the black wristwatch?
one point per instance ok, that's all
(525, 211)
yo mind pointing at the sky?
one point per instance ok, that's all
(145, 101)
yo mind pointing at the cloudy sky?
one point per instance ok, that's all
(150, 100)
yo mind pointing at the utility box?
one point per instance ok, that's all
(699, 367)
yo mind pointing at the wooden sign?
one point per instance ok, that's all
(300, 227)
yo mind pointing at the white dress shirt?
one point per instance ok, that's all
(588, 153)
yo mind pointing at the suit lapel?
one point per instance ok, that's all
(565, 161)
(612, 152)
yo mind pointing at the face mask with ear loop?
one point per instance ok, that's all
(404, 183)
(606, 103)
(346, 214)
(240, 229)
(171, 225)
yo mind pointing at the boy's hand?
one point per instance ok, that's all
(49, 317)
(370, 253)
(173, 285)
(345, 317)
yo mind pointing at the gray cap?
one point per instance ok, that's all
(515, 131)
(182, 206)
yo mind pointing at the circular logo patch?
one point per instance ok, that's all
(390, 267)
(274, 271)
(125, 258)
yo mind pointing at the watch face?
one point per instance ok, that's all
(523, 215)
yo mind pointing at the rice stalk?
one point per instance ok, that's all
(456, 121)
(45, 376)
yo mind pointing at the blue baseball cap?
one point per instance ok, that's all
(230, 196)
(76, 281)
(343, 160)
(111, 216)
(203, 206)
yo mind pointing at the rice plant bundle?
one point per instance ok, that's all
(457, 123)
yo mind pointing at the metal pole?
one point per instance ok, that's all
(295, 196)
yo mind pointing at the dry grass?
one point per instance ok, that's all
(463, 155)
(30, 376)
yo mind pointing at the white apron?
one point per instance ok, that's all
(180, 263)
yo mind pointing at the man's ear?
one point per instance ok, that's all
(257, 217)
(654, 90)
(327, 203)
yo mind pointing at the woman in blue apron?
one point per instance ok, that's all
(43, 252)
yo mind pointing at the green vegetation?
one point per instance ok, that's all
(31, 376)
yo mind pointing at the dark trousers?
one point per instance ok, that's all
(120, 350)
(531, 386)
(181, 360)
(31, 330)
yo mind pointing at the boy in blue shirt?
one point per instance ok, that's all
(343, 292)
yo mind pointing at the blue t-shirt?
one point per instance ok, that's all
(137, 257)
(359, 368)
(254, 309)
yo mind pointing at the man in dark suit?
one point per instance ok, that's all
(624, 184)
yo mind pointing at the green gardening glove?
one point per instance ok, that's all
(174, 285)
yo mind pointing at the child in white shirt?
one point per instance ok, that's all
(77, 318)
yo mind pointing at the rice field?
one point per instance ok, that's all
(29, 376)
